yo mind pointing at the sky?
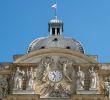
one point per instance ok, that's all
(22, 21)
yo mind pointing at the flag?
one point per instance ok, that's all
(54, 6)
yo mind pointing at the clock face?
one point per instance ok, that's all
(55, 76)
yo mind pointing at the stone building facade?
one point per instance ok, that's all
(55, 67)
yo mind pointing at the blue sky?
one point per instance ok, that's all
(22, 21)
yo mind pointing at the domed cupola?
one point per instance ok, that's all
(55, 27)
(56, 39)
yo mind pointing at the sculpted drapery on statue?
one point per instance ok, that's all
(68, 69)
(66, 72)
(46, 63)
(30, 75)
(106, 87)
(80, 79)
(47, 66)
(38, 71)
(18, 79)
(94, 79)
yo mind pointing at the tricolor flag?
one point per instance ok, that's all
(54, 6)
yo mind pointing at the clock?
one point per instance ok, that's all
(55, 76)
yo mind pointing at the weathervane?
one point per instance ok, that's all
(54, 7)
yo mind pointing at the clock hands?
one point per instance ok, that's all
(55, 76)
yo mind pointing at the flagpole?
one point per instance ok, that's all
(56, 9)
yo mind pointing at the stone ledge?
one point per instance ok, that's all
(87, 92)
(23, 92)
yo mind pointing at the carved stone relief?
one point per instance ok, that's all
(55, 88)
(55, 77)
(3, 86)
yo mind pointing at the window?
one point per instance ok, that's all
(42, 47)
(55, 39)
(68, 47)
(53, 31)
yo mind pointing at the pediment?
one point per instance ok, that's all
(36, 56)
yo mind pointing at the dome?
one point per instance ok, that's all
(55, 42)
(55, 39)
